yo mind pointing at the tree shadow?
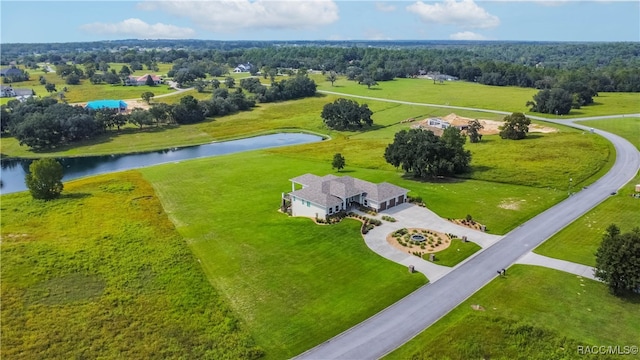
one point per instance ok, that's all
(109, 136)
(433, 180)
(74, 196)
(481, 168)
(345, 171)
(630, 297)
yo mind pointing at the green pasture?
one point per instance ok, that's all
(579, 241)
(541, 160)
(628, 128)
(280, 274)
(86, 91)
(466, 94)
(103, 273)
(532, 313)
(128, 140)
(455, 253)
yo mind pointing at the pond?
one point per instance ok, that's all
(13, 171)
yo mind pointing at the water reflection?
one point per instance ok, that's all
(13, 171)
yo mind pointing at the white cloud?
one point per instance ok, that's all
(229, 15)
(140, 29)
(465, 13)
(380, 6)
(466, 35)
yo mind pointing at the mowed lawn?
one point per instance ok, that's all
(293, 283)
(532, 313)
(466, 94)
(628, 128)
(579, 241)
(103, 273)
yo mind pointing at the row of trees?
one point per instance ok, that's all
(296, 87)
(43, 124)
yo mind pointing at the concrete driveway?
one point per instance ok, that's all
(413, 216)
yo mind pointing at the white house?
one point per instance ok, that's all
(10, 91)
(243, 68)
(327, 195)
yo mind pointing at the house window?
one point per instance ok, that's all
(337, 208)
(308, 204)
(365, 203)
(330, 210)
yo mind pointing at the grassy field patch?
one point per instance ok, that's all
(102, 273)
(466, 94)
(455, 253)
(294, 283)
(628, 128)
(579, 241)
(532, 313)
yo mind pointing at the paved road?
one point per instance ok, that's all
(397, 324)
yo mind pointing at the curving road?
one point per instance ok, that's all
(397, 324)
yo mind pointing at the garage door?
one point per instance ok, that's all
(383, 205)
(401, 199)
(392, 202)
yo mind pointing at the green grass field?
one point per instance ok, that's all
(532, 313)
(579, 241)
(628, 128)
(455, 253)
(103, 273)
(293, 283)
(460, 93)
(87, 91)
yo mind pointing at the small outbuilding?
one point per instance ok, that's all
(120, 105)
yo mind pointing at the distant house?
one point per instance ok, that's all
(10, 72)
(439, 123)
(243, 68)
(327, 195)
(10, 91)
(142, 80)
(120, 105)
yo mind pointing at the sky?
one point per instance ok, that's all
(26, 21)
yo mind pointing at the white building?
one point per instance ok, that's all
(327, 195)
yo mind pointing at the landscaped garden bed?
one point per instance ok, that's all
(417, 241)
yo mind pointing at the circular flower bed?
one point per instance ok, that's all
(408, 240)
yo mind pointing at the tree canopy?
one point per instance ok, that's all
(344, 114)
(424, 154)
(552, 101)
(515, 127)
(618, 260)
(338, 162)
(473, 130)
(44, 179)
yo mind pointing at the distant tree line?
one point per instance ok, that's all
(45, 123)
(599, 66)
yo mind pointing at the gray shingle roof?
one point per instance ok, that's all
(312, 194)
(329, 190)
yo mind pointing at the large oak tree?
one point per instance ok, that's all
(424, 154)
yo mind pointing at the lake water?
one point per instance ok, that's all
(13, 171)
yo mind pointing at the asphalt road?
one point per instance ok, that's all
(397, 324)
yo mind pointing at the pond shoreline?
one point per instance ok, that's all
(14, 170)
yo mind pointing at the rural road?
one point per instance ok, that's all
(400, 322)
